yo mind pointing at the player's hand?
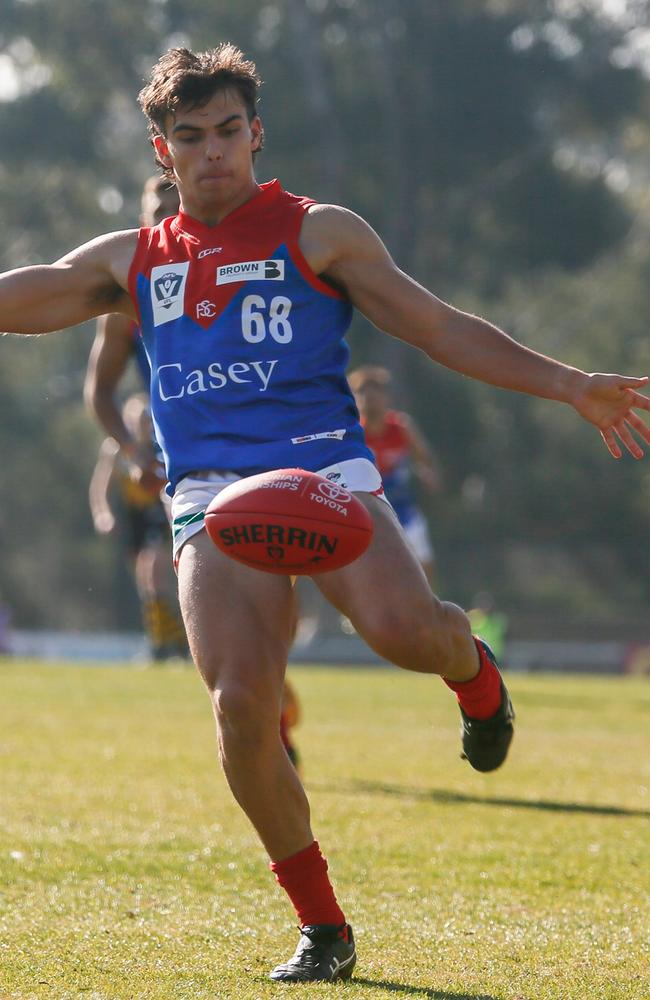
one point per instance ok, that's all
(147, 477)
(144, 469)
(104, 522)
(609, 401)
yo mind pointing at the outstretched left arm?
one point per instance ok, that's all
(343, 247)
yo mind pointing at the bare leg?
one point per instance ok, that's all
(158, 600)
(386, 596)
(239, 625)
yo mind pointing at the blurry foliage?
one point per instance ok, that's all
(501, 150)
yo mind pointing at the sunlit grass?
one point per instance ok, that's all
(126, 871)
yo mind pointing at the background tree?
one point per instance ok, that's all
(502, 151)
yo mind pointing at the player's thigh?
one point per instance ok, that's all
(386, 584)
(238, 620)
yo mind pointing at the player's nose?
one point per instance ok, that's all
(213, 149)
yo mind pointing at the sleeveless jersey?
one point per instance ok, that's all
(141, 361)
(246, 344)
(392, 451)
(140, 356)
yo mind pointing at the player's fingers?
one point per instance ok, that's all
(610, 442)
(639, 426)
(637, 400)
(625, 436)
(629, 382)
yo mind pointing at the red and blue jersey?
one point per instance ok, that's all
(246, 344)
(391, 448)
(140, 355)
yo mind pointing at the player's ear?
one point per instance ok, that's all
(162, 151)
(257, 133)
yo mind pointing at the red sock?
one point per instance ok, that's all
(304, 878)
(479, 698)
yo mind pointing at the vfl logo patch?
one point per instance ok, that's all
(168, 291)
(252, 270)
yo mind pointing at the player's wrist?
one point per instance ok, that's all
(570, 385)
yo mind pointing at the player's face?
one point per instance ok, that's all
(210, 150)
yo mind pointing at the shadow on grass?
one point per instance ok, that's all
(417, 991)
(459, 798)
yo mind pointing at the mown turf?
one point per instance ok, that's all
(126, 871)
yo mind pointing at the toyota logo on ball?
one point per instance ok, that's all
(334, 492)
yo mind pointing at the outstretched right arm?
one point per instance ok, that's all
(88, 281)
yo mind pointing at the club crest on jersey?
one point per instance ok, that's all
(168, 291)
(251, 270)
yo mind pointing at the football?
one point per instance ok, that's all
(289, 521)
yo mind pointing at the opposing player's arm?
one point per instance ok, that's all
(425, 464)
(100, 485)
(109, 357)
(88, 281)
(342, 247)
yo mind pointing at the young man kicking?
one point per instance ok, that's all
(244, 299)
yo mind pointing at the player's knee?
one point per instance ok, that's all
(244, 712)
(425, 636)
(393, 630)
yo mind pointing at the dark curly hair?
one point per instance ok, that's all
(181, 77)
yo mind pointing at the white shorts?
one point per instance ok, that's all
(194, 493)
(416, 530)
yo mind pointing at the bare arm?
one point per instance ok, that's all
(100, 484)
(89, 281)
(344, 248)
(109, 357)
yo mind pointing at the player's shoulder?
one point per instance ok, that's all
(406, 424)
(334, 233)
(335, 219)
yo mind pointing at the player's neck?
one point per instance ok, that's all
(212, 210)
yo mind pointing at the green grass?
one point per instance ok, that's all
(126, 871)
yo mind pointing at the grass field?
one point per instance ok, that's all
(127, 872)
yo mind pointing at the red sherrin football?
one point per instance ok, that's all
(289, 521)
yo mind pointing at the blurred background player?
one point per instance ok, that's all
(144, 524)
(290, 715)
(117, 343)
(489, 623)
(400, 451)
